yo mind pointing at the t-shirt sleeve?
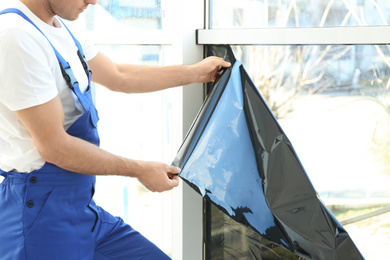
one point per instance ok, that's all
(25, 70)
(90, 50)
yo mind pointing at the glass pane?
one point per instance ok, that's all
(138, 126)
(126, 15)
(299, 13)
(333, 103)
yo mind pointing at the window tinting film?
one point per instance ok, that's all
(237, 157)
(227, 239)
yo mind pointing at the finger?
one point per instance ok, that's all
(174, 170)
(173, 176)
(223, 63)
(226, 64)
(218, 72)
(174, 181)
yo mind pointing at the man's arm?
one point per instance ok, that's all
(45, 122)
(139, 79)
(45, 125)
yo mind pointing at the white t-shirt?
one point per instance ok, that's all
(29, 76)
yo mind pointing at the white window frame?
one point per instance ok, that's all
(371, 35)
(188, 205)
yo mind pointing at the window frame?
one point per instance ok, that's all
(369, 35)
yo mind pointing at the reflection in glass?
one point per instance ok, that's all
(333, 102)
(299, 13)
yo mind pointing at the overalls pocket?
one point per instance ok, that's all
(64, 220)
(34, 206)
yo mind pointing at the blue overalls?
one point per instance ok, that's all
(50, 213)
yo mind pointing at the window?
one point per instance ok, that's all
(329, 90)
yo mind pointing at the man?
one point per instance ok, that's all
(49, 152)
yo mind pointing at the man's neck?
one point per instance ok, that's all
(41, 9)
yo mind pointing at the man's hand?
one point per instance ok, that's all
(158, 177)
(207, 69)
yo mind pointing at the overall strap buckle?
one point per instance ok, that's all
(68, 75)
(84, 62)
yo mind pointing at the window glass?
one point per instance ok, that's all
(138, 126)
(299, 13)
(333, 103)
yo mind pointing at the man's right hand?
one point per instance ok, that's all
(157, 177)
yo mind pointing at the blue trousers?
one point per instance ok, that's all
(51, 215)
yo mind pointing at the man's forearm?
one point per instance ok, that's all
(79, 156)
(141, 79)
(74, 154)
(129, 78)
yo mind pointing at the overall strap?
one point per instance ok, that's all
(65, 67)
(17, 11)
(80, 51)
(66, 70)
